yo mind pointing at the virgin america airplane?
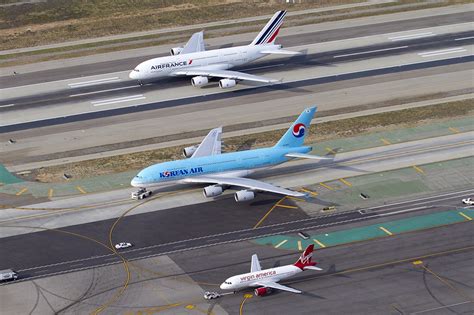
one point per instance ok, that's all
(266, 280)
(193, 60)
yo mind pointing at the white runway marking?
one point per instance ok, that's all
(93, 82)
(441, 52)
(370, 51)
(411, 36)
(103, 91)
(464, 38)
(118, 100)
(7, 105)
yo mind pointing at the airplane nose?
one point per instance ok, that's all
(135, 182)
(132, 75)
(223, 286)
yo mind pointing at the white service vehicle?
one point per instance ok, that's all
(8, 274)
(141, 194)
(468, 201)
(123, 245)
(211, 295)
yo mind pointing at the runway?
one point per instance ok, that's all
(81, 246)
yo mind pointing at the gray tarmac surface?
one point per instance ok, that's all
(373, 277)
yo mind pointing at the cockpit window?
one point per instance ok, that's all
(136, 70)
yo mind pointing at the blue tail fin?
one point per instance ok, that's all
(294, 136)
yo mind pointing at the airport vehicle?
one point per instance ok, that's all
(266, 280)
(211, 295)
(123, 245)
(7, 275)
(141, 194)
(468, 201)
(206, 164)
(193, 60)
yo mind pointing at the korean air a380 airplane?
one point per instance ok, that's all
(193, 60)
(206, 164)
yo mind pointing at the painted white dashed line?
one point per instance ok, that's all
(7, 105)
(464, 38)
(411, 36)
(370, 51)
(118, 100)
(103, 91)
(93, 82)
(441, 52)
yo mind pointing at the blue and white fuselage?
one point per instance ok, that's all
(235, 163)
(207, 165)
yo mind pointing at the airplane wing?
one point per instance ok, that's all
(211, 145)
(226, 74)
(281, 52)
(308, 156)
(255, 265)
(194, 44)
(248, 183)
(277, 286)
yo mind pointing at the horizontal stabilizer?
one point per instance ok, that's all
(281, 52)
(307, 156)
(312, 268)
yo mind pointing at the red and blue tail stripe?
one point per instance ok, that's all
(270, 31)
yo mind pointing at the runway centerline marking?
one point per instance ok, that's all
(411, 36)
(370, 51)
(441, 52)
(103, 91)
(93, 82)
(118, 100)
(7, 105)
(464, 38)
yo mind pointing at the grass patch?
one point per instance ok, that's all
(324, 131)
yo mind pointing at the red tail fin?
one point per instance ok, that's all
(305, 258)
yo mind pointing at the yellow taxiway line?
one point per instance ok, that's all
(465, 216)
(385, 230)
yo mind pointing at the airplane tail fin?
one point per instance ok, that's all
(305, 261)
(294, 136)
(268, 34)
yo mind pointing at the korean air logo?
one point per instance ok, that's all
(298, 130)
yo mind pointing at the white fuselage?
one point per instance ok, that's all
(217, 59)
(255, 279)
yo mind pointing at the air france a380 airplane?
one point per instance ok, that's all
(206, 164)
(266, 280)
(193, 60)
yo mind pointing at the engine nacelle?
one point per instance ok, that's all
(212, 191)
(244, 195)
(189, 151)
(199, 81)
(227, 83)
(262, 291)
(176, 51)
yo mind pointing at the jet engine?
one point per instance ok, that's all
(199, 81)
(176, 51)
(189, 151)
(244, 195)
(262, 291)
(212, 191)
(227, 83)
